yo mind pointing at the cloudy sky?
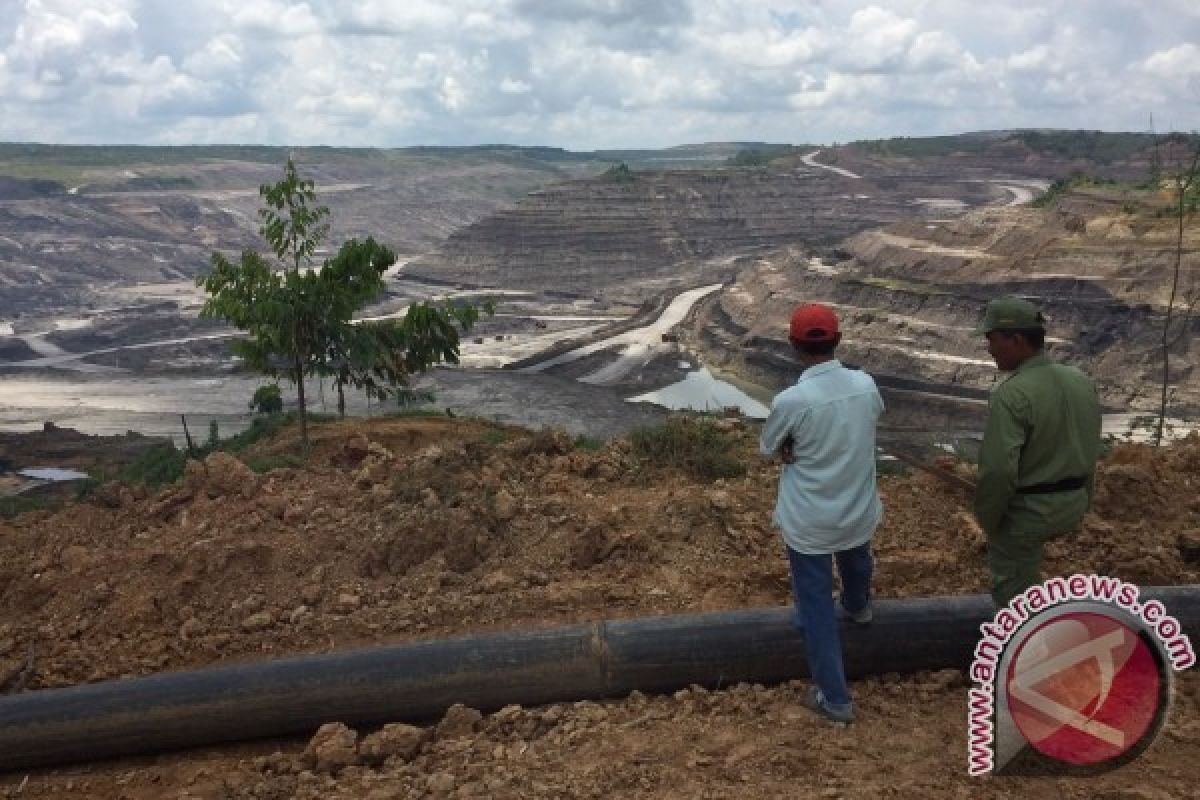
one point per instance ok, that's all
(587, 74)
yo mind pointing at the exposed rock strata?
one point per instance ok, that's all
(674, 228)
(910, 296)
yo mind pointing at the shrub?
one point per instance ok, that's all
(267, 399)
(621, 173)
(891, 466)
(87, 487)
(261, 427)
(160, 465)
(694, 445)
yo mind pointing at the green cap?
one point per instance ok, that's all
(1011, 313)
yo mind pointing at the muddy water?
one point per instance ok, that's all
(700, 391)
(153, 405)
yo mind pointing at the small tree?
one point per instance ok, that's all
(281, 310)
(1183, 183)
(299, 318)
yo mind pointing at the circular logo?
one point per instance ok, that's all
(1086, 688)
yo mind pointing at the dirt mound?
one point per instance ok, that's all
(423, 527)
(419, 528)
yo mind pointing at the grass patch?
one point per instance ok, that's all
(12, 506)
(1062, 186)
(415, 412)
(164, 464)
(694, 445)
(161, 465)
(898, 285)
(590, 443)
(263, 426)
(496, 436)
(266, 463)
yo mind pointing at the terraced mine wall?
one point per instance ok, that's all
(669, 229)
(918, 341)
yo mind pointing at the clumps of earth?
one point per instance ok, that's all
(400, 529)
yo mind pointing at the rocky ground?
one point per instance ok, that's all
(418, 528)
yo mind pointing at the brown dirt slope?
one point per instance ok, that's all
(420, 528)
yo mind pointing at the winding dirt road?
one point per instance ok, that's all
(639, 345)
(810, 159)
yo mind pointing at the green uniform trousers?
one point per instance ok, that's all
(1015, 550)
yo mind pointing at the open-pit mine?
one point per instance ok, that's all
(511, 595)
(98, 324)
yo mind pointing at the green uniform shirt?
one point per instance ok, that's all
(1043, 426)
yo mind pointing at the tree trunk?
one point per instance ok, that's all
(1166, 332)
(341, 400)
(1184, 181)
(300, 400)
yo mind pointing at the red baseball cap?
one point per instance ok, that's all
(814, 322)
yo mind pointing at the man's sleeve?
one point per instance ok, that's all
(999, 459)
(775, 429)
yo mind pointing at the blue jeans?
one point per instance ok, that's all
(816, 619)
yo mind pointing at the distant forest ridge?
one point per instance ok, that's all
(65, 164)
(128, 155)
(1100, 147)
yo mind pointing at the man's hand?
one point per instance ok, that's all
(787, 450)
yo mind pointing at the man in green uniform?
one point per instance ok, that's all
(1037, 466)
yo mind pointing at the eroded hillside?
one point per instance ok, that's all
(1099, 263)
(404, 529)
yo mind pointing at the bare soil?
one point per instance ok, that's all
(417, 528)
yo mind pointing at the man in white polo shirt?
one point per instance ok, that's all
(823, 427)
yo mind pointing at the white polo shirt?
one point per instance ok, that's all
(827, 497)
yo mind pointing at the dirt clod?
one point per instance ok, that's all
(333, 747)
(395, 740)
(458, 722)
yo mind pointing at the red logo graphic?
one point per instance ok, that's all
(1084, 688)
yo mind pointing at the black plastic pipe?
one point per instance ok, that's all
(419, 681)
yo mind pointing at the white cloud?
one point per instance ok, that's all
(1174, 62)
(275, 18)
(220, 58)
(586, 73)
(877, 40)
(1034, 58)
(511, 86)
